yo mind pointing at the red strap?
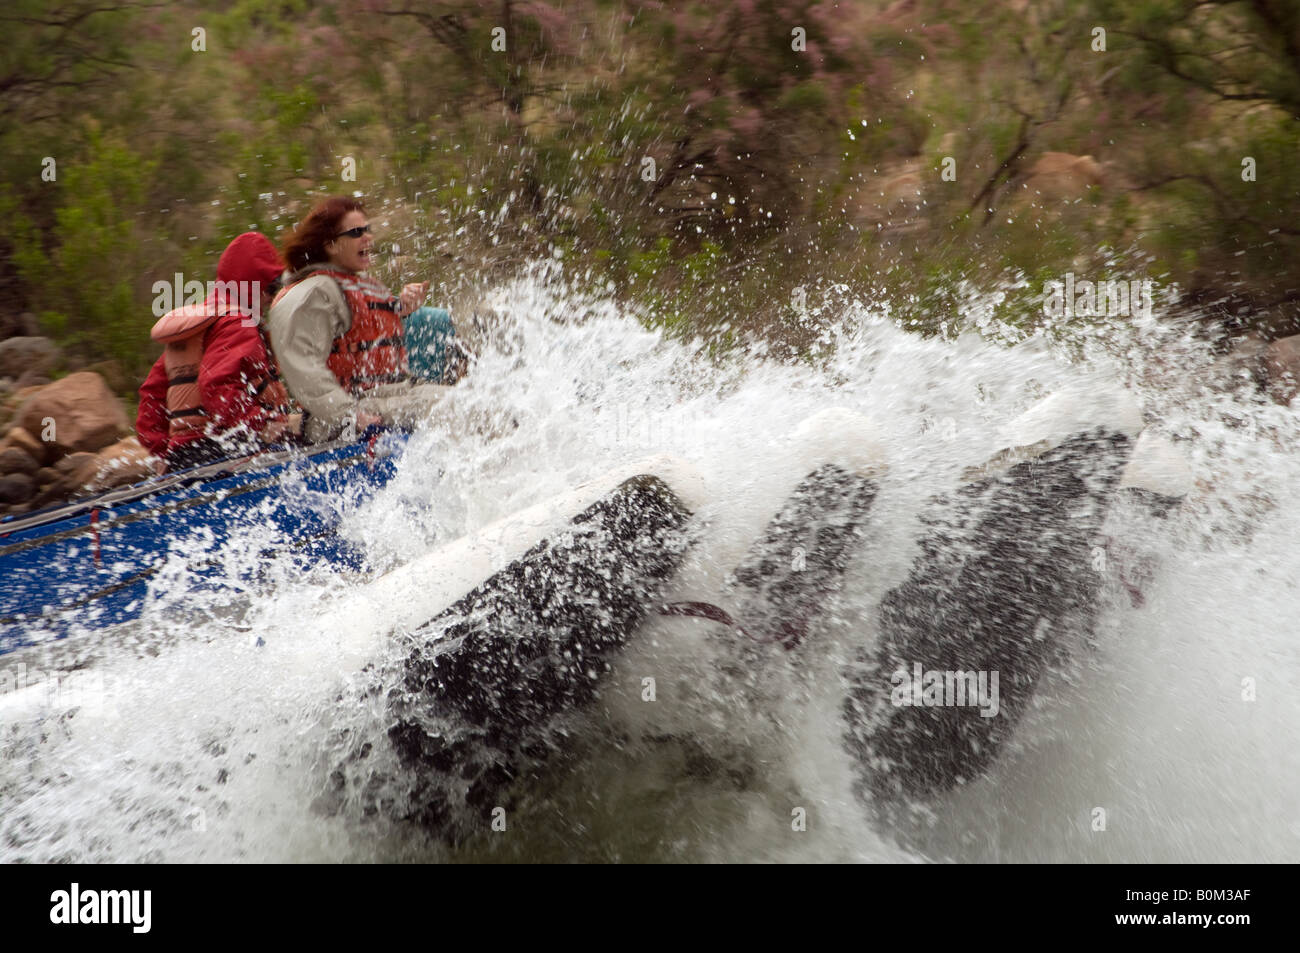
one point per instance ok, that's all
(791, 633)
(94, 533)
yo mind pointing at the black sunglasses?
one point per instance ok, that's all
(354, 232)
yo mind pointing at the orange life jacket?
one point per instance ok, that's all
(373, 350)
(182, 331)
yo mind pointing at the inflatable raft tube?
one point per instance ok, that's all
(489, 679)
(785, 578)
(1005, 574)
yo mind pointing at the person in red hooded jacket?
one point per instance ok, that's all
(215, 391)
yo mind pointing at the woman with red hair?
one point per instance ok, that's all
(338, 334)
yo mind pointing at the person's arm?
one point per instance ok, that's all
(303, 327)
(412, 297)
(151, 419)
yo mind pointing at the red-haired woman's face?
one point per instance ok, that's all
(346, 251)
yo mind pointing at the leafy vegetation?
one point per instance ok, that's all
(706, 159)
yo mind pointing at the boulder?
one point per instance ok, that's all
(74, 462)
(892, 198)
(79, 412)
(11, 404)
(16, 488)
(20, 394)
(17, 460)
(82, 482)
(37, 450)
(118, 381)
(33, 378)
(1244, 364)
(1060, 175)
(75, 476)
(1282, 365)
(49, 495)
(18, 326)
(123, 463)
(26, 355)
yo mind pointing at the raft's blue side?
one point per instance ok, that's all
(93, 567)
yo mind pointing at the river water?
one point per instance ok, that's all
(1172, 735)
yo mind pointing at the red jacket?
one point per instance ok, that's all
(234, 360)
(234, 364)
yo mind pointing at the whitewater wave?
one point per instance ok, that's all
(1169, 737)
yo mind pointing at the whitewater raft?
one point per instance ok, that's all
(88, 565)
(478, 656)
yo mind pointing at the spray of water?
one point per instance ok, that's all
(200, 733)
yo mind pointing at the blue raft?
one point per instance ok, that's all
(88, 564)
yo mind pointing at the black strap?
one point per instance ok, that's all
(374, 379)
(367, 345)
(186, 412)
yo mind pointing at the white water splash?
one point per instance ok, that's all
(195, 745)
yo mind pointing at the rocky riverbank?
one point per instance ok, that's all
(62, 438)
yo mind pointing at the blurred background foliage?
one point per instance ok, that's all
(703, 159)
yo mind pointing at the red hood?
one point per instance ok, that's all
(250, 257)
